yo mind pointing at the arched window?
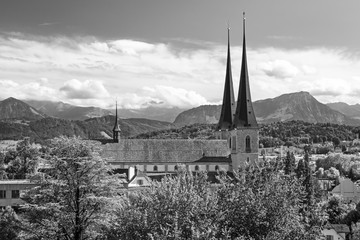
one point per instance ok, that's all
(217, 168)
(196, 168)
(233, 143)
(247, 144)
(155, 168)
(175, 168)
(247, 159)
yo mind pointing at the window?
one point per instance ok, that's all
(329, 237)
(217, 168)
(196, 168)
(15, 194)
(2, 194)
(175, 168)
(140, 182)
(233, 143)
(247, 144)
(155, 168)
(248, 159)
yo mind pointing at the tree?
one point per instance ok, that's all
(337, 209)
(289, 163)
(179, 207)
(9, 224)
(23, 161)
(73, 199)
(262, 204)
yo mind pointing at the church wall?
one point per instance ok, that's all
(239, 155)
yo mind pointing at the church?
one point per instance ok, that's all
(236, 143)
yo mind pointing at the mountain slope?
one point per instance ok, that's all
(349, 110)
(12, 108)
(67, 111)
(293, 106)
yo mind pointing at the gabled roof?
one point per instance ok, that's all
(228, 104)
(244, 114)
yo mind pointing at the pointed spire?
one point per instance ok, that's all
(244, 115)
(116, 129)
(228, 105)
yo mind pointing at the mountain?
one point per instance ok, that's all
(203, 114)
(11, 108)
(293, 106)
(93, 128)
(349, 110)
(67, 111)
(72, 112)
(154, 113)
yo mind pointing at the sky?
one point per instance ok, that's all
(171, 53)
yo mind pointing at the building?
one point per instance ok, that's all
(236, 145)
(10, 191)
(348, 190)
(335, 232)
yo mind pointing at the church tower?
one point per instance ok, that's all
(245, 131)
(116, 129)
(228, 104)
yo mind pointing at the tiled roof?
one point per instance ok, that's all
(160, 150)
(226, 159)
(339, 228)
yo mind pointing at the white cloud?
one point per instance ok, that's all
(281, 69)
(161, 96)
(75, 89)
(149, 73)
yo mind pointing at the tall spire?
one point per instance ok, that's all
(116, 129)
(228, 105)
(244, 115)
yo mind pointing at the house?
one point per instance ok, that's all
(335, 231)
(10, 191)
(348, 190)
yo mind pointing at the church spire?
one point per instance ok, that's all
(116, 129)
(228, 105)
(244, 115)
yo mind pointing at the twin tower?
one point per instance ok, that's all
(237, 122)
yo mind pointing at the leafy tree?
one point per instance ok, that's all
(178, 207)
(337, 209)
(300, 170)
(23, 161)
(73, 200)
(336, 141)
(9, 224)
(289, 163)
(261, 204)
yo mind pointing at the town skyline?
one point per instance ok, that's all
(172, 54)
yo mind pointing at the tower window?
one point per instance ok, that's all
(155, 168)
(2, 194)
(15, 194)
(247, 144)
(217, 168)
(233, 143)
(196, 168)
(175, 168)
(248, 159)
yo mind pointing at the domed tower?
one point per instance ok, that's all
(116, 129)
(245, 131)
(228, 104)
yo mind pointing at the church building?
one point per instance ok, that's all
(236, 143)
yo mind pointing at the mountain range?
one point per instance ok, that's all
(293, 106)
(45, 119)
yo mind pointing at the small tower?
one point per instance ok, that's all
(116, 129)
(245, 133)
(228, 104)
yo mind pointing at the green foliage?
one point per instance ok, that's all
(289, 165)
(73, 200)
(337, 209)
(9, 224)
(23, 161)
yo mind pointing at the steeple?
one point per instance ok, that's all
(244, 115)
(116, 129)
(228, 104)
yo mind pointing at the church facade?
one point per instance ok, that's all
(236, 144)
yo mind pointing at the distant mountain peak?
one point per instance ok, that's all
(12, 108)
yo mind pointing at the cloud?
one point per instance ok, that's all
(75, 89)
(162, 96)
(280, 69)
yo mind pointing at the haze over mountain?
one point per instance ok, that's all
(349, 110)
(11, 108)
(292, 106)
(19, 120)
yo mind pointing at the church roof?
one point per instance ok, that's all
(161, 150)
(228, 104)
(244, 114)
